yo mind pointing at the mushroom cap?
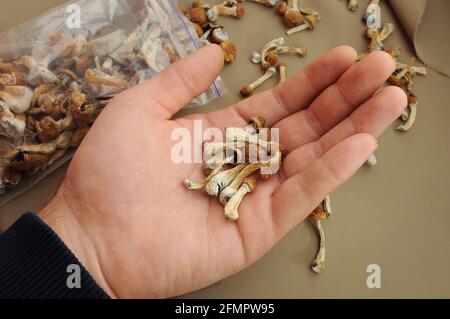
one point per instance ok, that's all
(48, 129)
(281, 8)
(8, 79)
(197, 15)
(251, 184)
(283, 150)
(312, 21)
(9, 68)
(247, 91)
(293, 18)
(219, 35)
(25, 162)
(258, 121)
(197, 4)
(412, 98)
(240, 11)
(18, 98)
(27, 61)
(84, 63)
(229, 51)
(396, 81)
(198, 28)
(271, 60)
(319, 214)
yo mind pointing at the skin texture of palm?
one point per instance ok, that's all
(124, 212)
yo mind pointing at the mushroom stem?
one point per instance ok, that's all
(231, 189)
(221, 159)
(200, 185)
(275, 43)
(232, 207)
(371, 17)
(413, 69)
(327, 205)
(372, 161)
(309, 24)
(406, 69)
(248, 90)
(229, 8)
(318, 265)
(282, 70)
(377, 37)
(412, 106)
(267, 3)
(289, 50)
(63, 141)
(255, 124)
(222, 180)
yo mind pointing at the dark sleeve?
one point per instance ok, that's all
(36, 264)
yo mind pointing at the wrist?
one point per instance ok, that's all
(60, 218)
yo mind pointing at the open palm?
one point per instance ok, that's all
(125, 214)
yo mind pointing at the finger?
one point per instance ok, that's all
(170, 90)
(337, 102)
(299, 195)
(373, 118)
(293, 95)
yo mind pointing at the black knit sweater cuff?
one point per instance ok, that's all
(36, 264)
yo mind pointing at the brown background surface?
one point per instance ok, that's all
(396, 215)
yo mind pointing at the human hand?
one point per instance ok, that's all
(122, 208)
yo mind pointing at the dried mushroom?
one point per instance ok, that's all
(318, 216)
(268, 58)
(47, 129)
(292, 17)
(11, 125)
(310, 23)
(101, 84)
(204, 17)
(249, 89)
(231, 176)
(51, 96)
(229, 8)
(18, 98)
(403, 76)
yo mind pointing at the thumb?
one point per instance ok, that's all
(170, 90)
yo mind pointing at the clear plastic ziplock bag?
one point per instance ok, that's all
(58, 70)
